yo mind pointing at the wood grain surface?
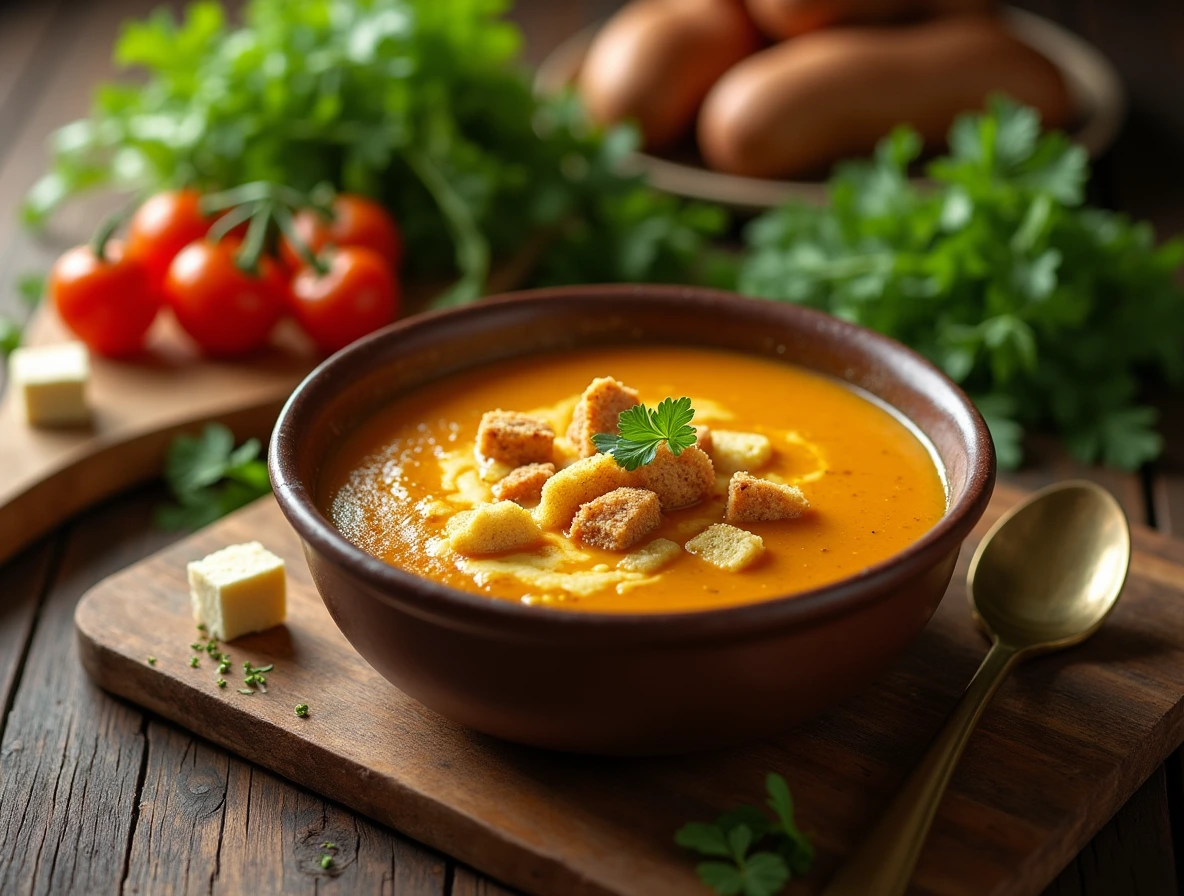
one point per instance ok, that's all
(1065, 744)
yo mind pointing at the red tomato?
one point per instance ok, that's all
(357, 221)
(356, 296)
(109, 303)
(225, 310)
(164, 225)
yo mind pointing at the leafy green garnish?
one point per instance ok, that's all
(11, 334)
(642, 432)
(209, 478)
(422, 104)
(734, 868)
(1045, 310)
(302, 712)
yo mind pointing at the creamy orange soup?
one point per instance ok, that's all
(872, 484)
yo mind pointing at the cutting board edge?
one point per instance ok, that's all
(1032, 875)
(479, 848)
(45, 504)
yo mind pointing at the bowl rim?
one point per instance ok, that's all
(432, 600)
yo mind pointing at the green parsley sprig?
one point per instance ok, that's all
(1048, 312)
(209, 478)
(734, 867)
(642, 432)
(425, 105)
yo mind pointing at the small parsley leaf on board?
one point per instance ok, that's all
(1049, 312)
(209, 477)
(787, 852)
(31, 289)
(643, 430)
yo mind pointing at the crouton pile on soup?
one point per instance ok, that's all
(566, 481)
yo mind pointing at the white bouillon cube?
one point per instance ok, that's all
(238, 590)
(51, 380)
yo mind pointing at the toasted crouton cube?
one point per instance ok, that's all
(598, 410)
(523, 485)
(727, 547)
(587, 478)
(618, 520)
(493, 528)
(703, 439)
(753, 500)
(734, 451)
(679, 481)
(650, 558)
(514, 439)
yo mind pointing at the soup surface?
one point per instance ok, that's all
(873, 487)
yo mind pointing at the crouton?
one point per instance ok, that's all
(703, 439)
(735, 451)
(493, 528)
(618, 520)
(523, 485)
(727, 547)
(678, 481)
(598, 410)
(651, 558)
(514, 439)
(753, 500)
(587, 478)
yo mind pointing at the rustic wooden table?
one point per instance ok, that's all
(97, 796)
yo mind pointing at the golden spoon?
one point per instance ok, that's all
(1044, 578)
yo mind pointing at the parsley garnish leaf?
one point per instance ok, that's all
(732, 836)
(209, 478)
(642, 432)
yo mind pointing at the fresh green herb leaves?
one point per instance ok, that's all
(729, 843)
(642, 432)
(302, 712)
(1046, 311)
(209, 478)
(422, 104)
(30, 288)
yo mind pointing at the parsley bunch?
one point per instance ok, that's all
(209, 478)
(642, 432)
(1048, 312)
(422, 104)
(733, 867)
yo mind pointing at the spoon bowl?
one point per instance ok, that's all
(1049, 572)
(1044, 577)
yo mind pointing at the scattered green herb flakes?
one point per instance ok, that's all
(302, 711)
(197, 645)
(734, 865)
(642, 432)
(151, 661)
(328, 844)
(223, 668)
(326, 861)
(209, 478)
(423, 104)
(266, 668)
(1046, 311)
(194, 661)
(221, 682)
(201, 627)
(245, 691)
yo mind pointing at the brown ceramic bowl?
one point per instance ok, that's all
(615, 683)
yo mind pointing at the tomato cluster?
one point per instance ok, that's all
(335, 272)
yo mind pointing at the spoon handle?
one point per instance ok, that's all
(884, 862)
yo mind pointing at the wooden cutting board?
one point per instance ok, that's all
(1067, 740)
(139, 406)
